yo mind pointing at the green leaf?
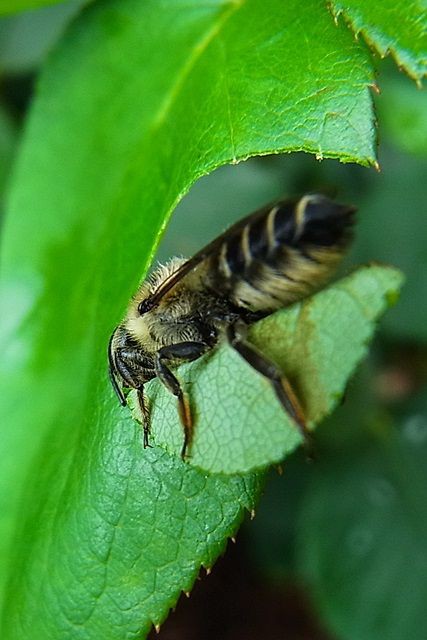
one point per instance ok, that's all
(240, 424)
(390, 26)
(362, 536)
(146, 524)
(138, 100)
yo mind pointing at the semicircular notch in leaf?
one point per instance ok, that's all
(240, 425)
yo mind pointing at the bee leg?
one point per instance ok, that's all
(127, 367)
(184, 352)
(281, 385)
(145, 415)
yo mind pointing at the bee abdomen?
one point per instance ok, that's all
(284, 253)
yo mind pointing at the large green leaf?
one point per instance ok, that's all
(146, 524)
(240, 425)
(139, 100)
(392, 27)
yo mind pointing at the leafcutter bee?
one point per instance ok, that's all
(268, 260)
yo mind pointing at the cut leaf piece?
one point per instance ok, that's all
(390, 26)
(240, 425)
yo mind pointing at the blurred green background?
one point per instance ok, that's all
(339, 547)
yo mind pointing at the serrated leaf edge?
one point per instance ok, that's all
(375, 47)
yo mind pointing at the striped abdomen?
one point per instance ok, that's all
(282, 254)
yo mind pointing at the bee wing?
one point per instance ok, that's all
(297, 207)
(153, 300)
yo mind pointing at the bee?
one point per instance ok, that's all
(270, 259)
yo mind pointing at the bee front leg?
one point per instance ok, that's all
(184, 352)
(132, 369)
(281, 385)
(145, 413)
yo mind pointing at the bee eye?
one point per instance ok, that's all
(144, 306)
